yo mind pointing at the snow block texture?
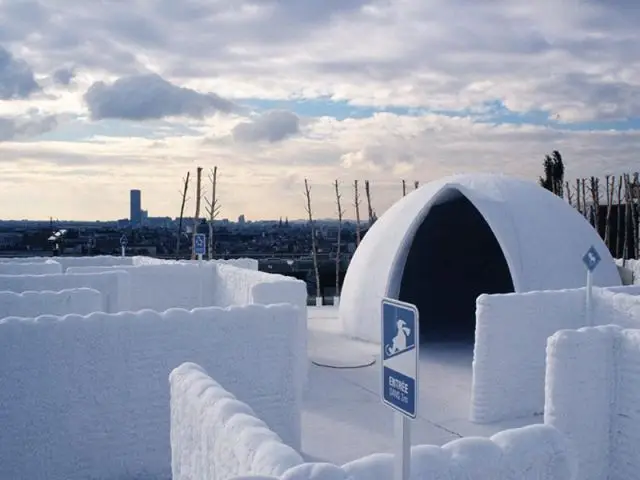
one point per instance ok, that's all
(25, 268)
(510, 342)
(592, 389)
(81, 301)
(238, 286)
(163, 286)
(216, 437)
(87, 397)
(115, 287)
(67, 262)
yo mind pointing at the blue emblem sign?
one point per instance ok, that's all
(123, 241)
(200, 244)
(591, 259)
(400, 352)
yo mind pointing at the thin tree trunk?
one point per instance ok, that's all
(338, 249)
(196, 219)
(569, 194)
(619, 220)
(587, 214)
(404, 188)
(185, 189)
(625, 248)
(213, 208)
(607, 230)
(356, 204)
(578, 197)
(367, 191)
(416, 185)
(314, 252)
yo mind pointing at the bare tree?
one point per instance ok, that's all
(579, 202)
(567, 189)
(356, 204)
(619, 219)
(584, 197)
(416, 185)
(196, 218)
(340, 212)
(212, 207)
(404, 188)
(372, 214)
(594, 189)
(609, 192)
(183, 193)
(314, 252)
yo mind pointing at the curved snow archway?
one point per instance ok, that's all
(541, 237)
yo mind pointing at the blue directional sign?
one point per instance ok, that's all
(400, 351)
(123, 241)
(591, 259)
(200, 244)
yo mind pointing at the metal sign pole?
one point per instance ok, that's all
(588, 316)
(402, 466)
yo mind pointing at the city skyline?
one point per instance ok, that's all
(115, 96)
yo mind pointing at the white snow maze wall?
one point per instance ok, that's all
(115, 287)
(81, 301)
(511, 337)
(216, 437)
(88, 397)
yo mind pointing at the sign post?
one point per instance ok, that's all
(400, 358)
(591, 260)
(123, 245)
(200, 248)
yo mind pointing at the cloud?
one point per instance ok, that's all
(63, 76)
(273, 126)
(17, 80)
(149, 96)
(20, 128)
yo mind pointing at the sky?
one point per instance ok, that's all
(100, 97)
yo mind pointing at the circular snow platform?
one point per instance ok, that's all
(344, 362)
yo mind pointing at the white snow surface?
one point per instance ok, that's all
(81, 301)
(216, 437)
(516, 327)
(31, 268)
(592, 390)
(87, 396)
(541, 236)
(115, 286)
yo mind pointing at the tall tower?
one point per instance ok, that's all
(136, 208)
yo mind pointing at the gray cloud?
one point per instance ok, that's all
(23, 128)
(149, 96)
(63, 76)
(273, 126)
(17, 80)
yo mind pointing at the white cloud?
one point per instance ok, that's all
(143, 60)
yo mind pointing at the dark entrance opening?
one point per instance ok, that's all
(454, 258)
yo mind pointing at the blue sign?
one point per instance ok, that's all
(400, 351)
(591, 259)
(123, 241)
(200, 244)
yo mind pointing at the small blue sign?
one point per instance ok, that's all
(591, 259)
(200, 244)
(400, 352)
(123, 241)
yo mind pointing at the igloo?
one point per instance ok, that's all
(453, 239)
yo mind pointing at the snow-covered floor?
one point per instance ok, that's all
(343, 418)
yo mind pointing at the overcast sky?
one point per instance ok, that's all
(102, 96)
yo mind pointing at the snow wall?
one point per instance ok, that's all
(112, 260)
(510, 344)
(115, 286)
(81, 301)
(34, 268)
(88, 397)
(592, 389)
(217, 437)
(160, 286)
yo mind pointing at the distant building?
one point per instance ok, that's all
(241, 220)
(136, 208)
